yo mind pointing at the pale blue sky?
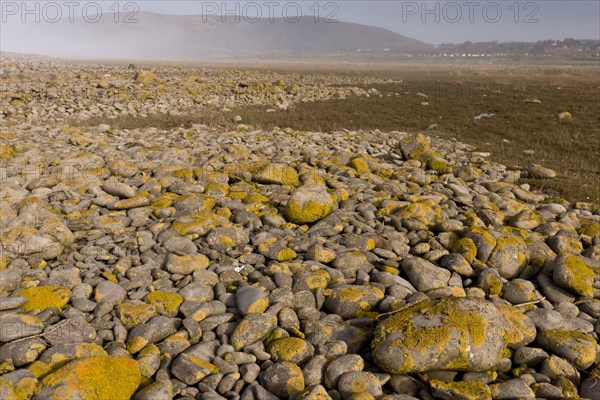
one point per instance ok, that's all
(457, 20)
(434, 22)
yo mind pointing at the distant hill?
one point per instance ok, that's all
(166, 37)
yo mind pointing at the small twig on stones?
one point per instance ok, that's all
(398, 310)
(530, 302)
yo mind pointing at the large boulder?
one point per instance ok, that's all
(308, 204)
(94, 378)
(448, 334)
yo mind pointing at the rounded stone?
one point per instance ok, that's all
(578, 348)
(94, 378)
(291, 349)
(355, 382)
(308, 204)
(447, 334)
(282, 379)
(341, 365)
(251, 299)
(352, 301)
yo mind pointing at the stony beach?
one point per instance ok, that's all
(198, 263)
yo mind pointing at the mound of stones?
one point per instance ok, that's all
(251, 264)
(34, 89)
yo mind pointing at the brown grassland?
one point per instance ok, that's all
(455, 97)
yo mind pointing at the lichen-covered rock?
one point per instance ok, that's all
(23, 382)
(571, 273)
(447, 334)
(94, 378)
(280, 174)
(6, 151)
(145, 77)
(360, 164)
(158, 390)
(352, 301)
(519, 291)
(418, 211)
(578, 348)
(30, 243)
(227, 237)
(43, 297)
(185, 265)
(166, 303)
(22, 352)
(253, 328)
(191, 370)
(512, 389)
(61, 354)
(128, 204)
(417, 147)
(291, 349)
(460, 390)
(338, 367)
(520, 330)
(308, 204)
(251, 299)
(357, 382)
(282, 379)
(153, 331)
(509, 256)
(132, 313)
(196, 224)
(313, 392)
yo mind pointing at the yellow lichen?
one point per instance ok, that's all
(286, 254)
(259, 306)
(198, 223)
(463, 390)
(287, 349)
(578, 275)
(43, 297)
(581, 343)
(466, 247)
(95, 378)
(468, 327)
(311, 211)
(318, 280)
(166, 303)
(6, 151)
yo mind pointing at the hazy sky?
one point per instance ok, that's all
(430, 21)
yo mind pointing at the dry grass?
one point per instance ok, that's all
(572, 148)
